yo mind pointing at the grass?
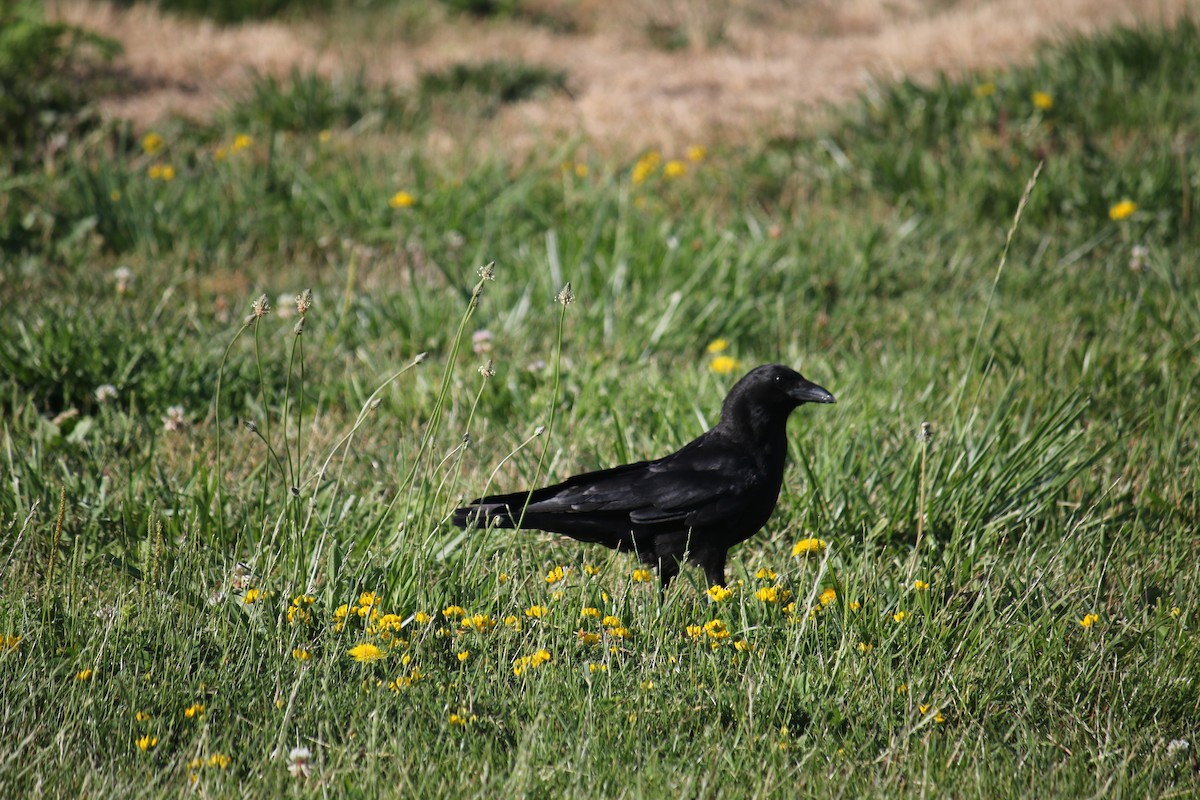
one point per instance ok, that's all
(159, 562)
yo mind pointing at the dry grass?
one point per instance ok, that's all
(742, 67)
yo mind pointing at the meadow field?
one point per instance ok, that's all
(250, 365)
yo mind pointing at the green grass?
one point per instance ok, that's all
(1059, 480)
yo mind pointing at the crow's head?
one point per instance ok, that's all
(774, 389)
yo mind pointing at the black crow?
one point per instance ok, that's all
(694, 504)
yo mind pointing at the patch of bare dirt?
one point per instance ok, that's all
(642, 73)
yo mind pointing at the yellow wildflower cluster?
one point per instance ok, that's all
(773, 594)
(147, 742)
(718, 593)
(299, 612)
(642, 575)
(1089, 620)
(161, 172)
(194, 711)
(557, 574)
(525, 663)
(646, 166)
(480, 623)
(215, 761)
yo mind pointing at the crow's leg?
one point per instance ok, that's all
(714, 567)
(668, 568)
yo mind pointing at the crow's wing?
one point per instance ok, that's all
(693, 487)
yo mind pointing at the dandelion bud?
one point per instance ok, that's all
(488, 271)
(539, 430)
(566, 296)
(261, 307)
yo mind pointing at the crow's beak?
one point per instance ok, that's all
(808, 392)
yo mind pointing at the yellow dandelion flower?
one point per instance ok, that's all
(194, 710)
(402, 199)
(828, 596)
(696, 153)
(536, 612)
(463, 655)
(84, 675)
(502, 578)
(300, 654)
(152, 143)
(899, 616)
(1122, 210)
(717, 346)
(590, 611)
(1089, 620)
(147, 742)
(723, 365)
(718, 593)
(674, 169)
(168, 173)
(642, 575)
(421, 618)
(810, 546)
(920, 586)
(365, 653)
(985, 89)
(241, 142)
(454, 611)
(766, 574)
(555, 575)
(1042, 101)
